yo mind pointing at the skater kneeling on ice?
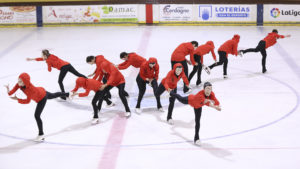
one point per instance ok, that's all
(38, 94)
(205, 97)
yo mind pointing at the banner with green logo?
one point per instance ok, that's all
(91, 14)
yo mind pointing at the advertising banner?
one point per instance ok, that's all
(281, 13)
(90, 14)
(225, 13)
(18, 15)
(173, 12)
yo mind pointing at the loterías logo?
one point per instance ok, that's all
(275, 12)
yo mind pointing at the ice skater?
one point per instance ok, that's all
(55, 62)
(115, 79)
(88, 85)
(198, 57)
(130, 59)
(38, 94)
(97, 60)
(205, 97)
(229, 47)
(149, 72)
(268, 41)
(178, 56)
(169, 83)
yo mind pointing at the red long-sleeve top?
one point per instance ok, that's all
(182, 50)
(230, 46)
(134, 60)
(98, 72)
(170, 81)
(197, 100)
(147, 72)
(53, 61)
(271, 39)
(205, 49)
(32, 92)
(115, 77)
(88, 85)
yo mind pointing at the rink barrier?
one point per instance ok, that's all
(154, 14)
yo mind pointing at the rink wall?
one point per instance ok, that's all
(159, 14)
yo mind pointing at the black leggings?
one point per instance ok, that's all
(198, 113)
(159, 91)
(121, 95)
(63, 71)
(261, 47)
(104, 80)
(186, 72)
(222, 61)
(142, 89)
(40, 106)
(197, 69)
(96, 99)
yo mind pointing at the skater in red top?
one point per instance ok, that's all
(149, 71)
(130, 59)
(229, 47)
(198, 57)
(55, 62)
(178, 56)
(169, 83)
(38, 94)
(98, 73)
(88, 85)
(205, 97)
(267, 42)
(115, 79)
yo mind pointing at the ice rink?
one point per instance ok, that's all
(258, 126)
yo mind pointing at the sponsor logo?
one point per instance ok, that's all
(275, 12)
(167, 10)
(205, 12)
(111, 9)
(232, 11)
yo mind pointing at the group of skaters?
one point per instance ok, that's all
(107, 76)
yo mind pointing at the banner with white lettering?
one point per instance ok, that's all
(224, 13)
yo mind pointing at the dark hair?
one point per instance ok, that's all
(275, 30)
(206, 84)
(195, 43)
(123, 54)
(89, 59)
(46, 52)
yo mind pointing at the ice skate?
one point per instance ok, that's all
(207, 69)
(95, 121)
(39, 138)
(110, 105)
(127, 114)
(197, 142)
(138, 110)
(170, 121)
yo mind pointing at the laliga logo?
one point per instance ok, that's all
(275, 12)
